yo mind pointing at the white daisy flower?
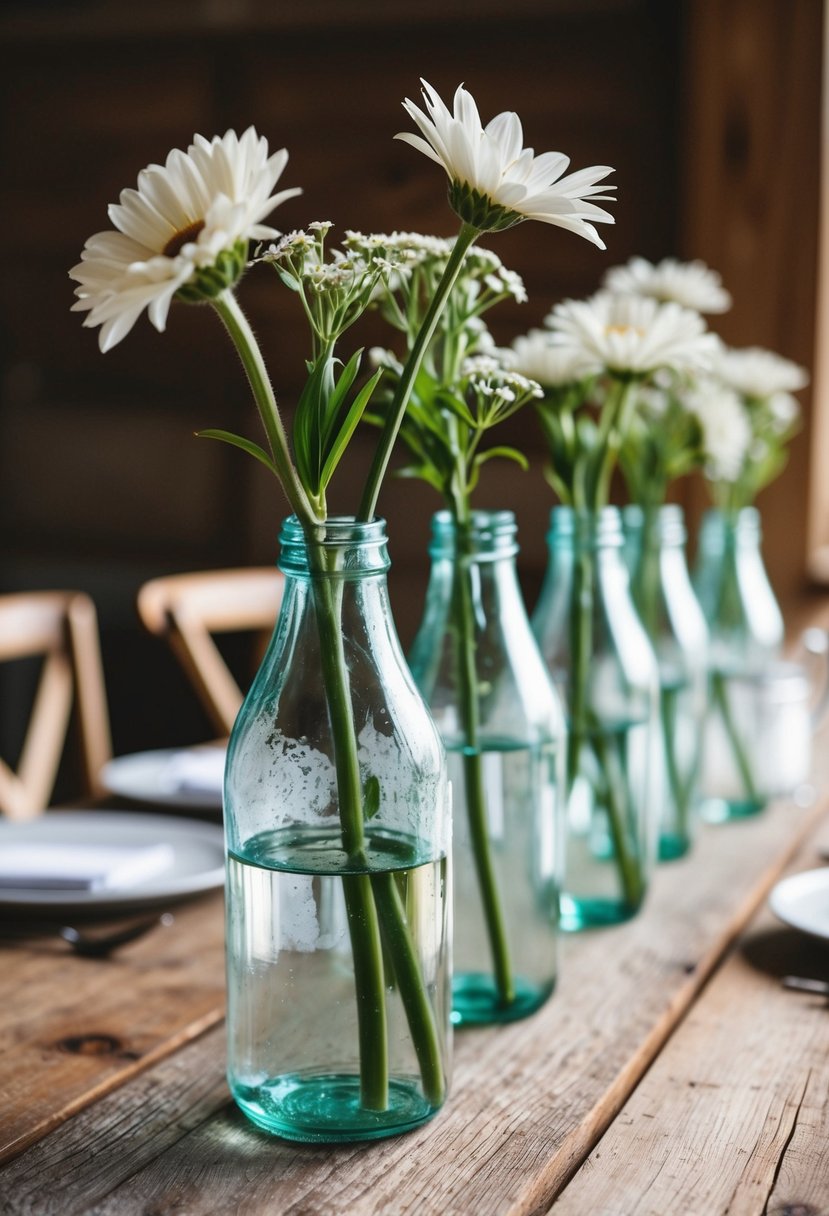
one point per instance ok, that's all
(495, 182)
(726, 429)
(631, 334)
(755, 372)
(691, 284)
(536, 356)
(184, 229)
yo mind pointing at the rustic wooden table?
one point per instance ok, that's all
(670, 1073)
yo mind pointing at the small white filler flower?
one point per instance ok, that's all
(494, 181)
(691, 284)
(183, 231)
(631, 335)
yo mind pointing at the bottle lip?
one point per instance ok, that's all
(361, 544)
(670, 523)
(487, 534)
(569, 526)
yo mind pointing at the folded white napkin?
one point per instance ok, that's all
(81, 867)
(201, 769)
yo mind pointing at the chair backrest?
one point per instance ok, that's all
(186, 609)
(62, 628)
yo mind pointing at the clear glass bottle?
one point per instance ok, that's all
(673, 620)
(338, 828)
(604, 667)
(746, 630)
(478, 666)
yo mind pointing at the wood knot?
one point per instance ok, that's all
(90, 1045)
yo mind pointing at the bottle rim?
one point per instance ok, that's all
(355, 548)
(486, 535)
(570, 526)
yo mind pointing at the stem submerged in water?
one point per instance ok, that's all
(474, 785)
(372, 901)
(585, 729)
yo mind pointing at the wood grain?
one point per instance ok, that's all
(733, 1117)
(528, 1103)
(73, 1028)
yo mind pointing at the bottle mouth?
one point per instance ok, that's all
(486, 534)
(570, 527)
(342, 546)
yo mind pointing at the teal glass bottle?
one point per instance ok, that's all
(478, 666)
(673, 620)
(338, 827)
(601, 661)
(746, 630)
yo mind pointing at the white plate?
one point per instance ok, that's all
(150, 777)
(802, 901)
(197, 866)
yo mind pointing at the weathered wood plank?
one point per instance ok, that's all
(73, 1028)
(733, 1117)
(529, 1101)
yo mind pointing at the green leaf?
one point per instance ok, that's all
(238, 441)
(503, 453)
(371, 797)
(349, 423)
(336, 397)
(458, 407)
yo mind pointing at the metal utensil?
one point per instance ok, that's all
(99, 945)
(800, 983)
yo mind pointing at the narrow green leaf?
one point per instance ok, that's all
(349, 424)
(238, 441)
(503, 453)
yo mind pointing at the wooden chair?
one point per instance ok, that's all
(62, 627)
(185, 609)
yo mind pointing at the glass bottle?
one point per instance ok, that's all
(478, 666)
(746, 629)
(604, 667)
(673, 620)
(338, 827)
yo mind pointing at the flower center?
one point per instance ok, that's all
(625, 329)
(181, 238)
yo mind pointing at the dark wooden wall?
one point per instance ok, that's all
(101, 481)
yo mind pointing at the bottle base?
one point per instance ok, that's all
(672, 847)
(326, 1108)
(724, 810)
(578, 914)
(477, 1002)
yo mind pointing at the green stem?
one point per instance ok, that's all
(618, 421)
(241, 334)
(680, 790)
(410, 984)
(720, 690)
(581, 626)
(474, 787)
(584, 727)
(630, 874)
(403, 389)
(363, 923)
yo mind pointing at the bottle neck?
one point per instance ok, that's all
(486, 537)
(342, 548)
(724, 532)
(661, 528)
(585, 531)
